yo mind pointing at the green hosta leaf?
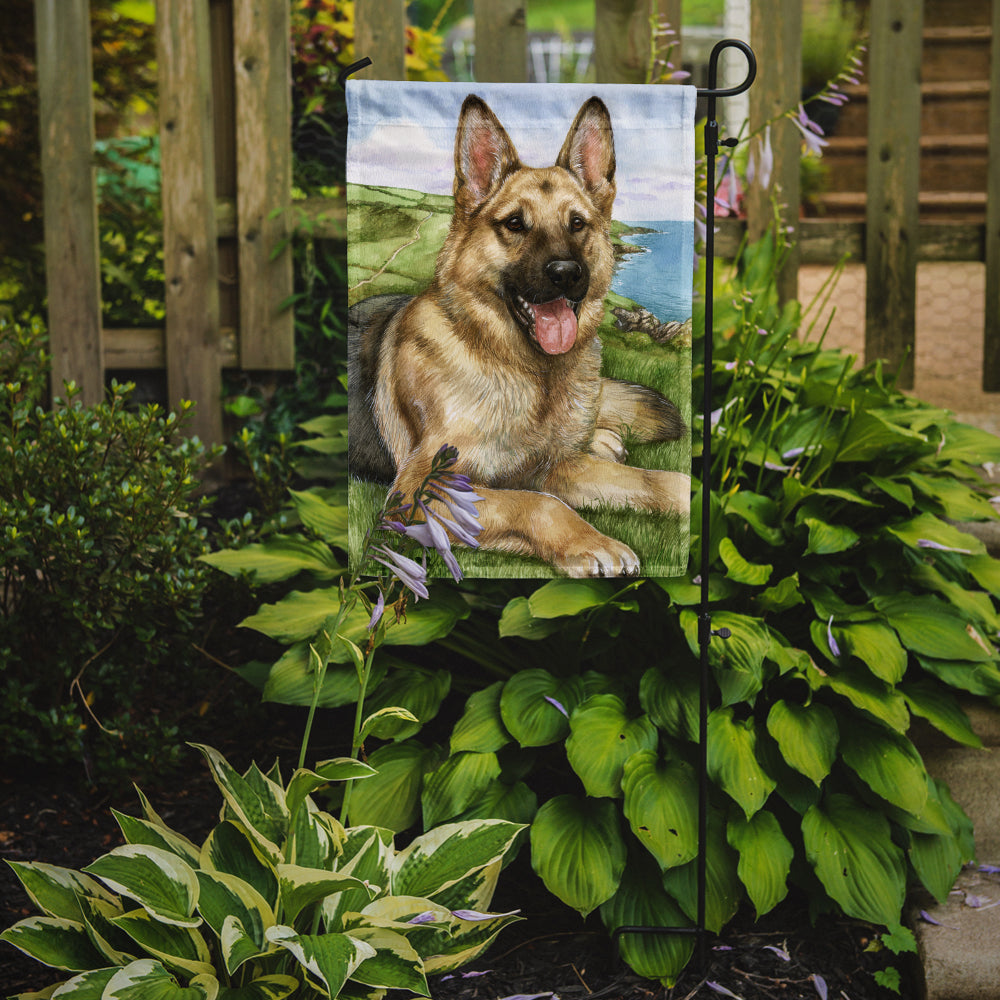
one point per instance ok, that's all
(732, 760)
(147, 979)
(870, 436)
(602, 738)
(738, 661)
(225, 897)
(578, 851)
(141, 831)
(292, 679)
(54, 941)
(765, 858)
(931, 628)
(864, 692)
(386, 723)
(230, 849)
(301, 887)
(561, 597)
(279, 558)
(528, 714)
(893, 488)
(723, 889)
(941, 709)
(976, 678)
(937, 859)
(976, 605)
(783, 595)
(391, 798)
(515, 803)
(973, 445)
(517, 620)
(827, 539)
(260, 809)
(159, 881)
(440, 858)
(956, 500)
(327, 520)
(330, 959)
(481, 728)
(928, 528)
(850, 848)
(56, 891)
(180, 948)
(456, 784)
(758, 511)
(685, 592)
(986, 572)
(661, 798)
(876, 646)
(641, 901)
(304, 782)
(888, 763)
(807, 736)
(740, 570)
(415, 689)
(395, 964)
(274, 987)
(671, 699)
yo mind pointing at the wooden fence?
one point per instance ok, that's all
(226, 160)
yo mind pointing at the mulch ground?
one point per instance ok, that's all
(551, 953)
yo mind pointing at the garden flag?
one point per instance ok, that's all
(520, 268)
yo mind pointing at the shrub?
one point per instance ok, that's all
(280, 899)
(99, 539)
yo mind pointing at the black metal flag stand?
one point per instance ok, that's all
(705, 631)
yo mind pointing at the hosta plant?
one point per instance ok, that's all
(279, 900)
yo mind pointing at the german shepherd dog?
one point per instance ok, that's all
(499, 356)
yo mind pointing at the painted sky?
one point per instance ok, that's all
(403, 135)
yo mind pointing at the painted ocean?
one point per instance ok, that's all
(661, 277)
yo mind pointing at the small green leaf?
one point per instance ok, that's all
(807, 736)
(517, 620)
(828, 539)
(732, 760)
(765, 858)
(740, 570)
(481, 727)
(562, 597)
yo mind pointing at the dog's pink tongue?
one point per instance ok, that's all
(555, 326)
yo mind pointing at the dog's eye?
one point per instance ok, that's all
(515, 223)
(576, 223)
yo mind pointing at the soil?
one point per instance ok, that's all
(551, 953)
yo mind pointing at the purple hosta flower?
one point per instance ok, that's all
(719, 988)
(465, 975)
(990, 869)
(927, 918)
(558, 705)
(377, 612)
(531, 996)
(820, 984)
(831, 642)
(475, 915)
(927, 543)
(411, 574)
(811, 132)
(761, 163)
(780, 952)
(427, 917)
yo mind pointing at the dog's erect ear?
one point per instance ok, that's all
(589, 151)
(484, 154)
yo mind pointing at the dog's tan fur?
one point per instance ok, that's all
(538, 430)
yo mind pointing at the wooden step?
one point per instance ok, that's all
(956, 53)
(941, 13)
(947, 163)
(959, 206)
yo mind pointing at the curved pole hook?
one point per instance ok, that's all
(712, 90)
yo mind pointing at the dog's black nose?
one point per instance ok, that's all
(564, 274)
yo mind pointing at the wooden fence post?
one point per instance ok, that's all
(190, 251)
(380, 34)
(621, 40)
(501, 41)
(262, 60)
(776, 35)
(991, 333)
(72, 255)
(893, 183)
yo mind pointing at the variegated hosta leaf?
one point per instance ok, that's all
(225, 897)
(661, 799)
(395, 964)
(177, 947)
(602, 737)
(475, 891)
(87, 986)
(366, 855)
(158, 880)
(732, 760)
(578, 851)
(315, 838)
(256, 801)
(304, 782)
(441, 857)
(481, 728)
(807, 736)
(329, 959)
(116, 946)
(230, 849)
(301, 887)
(765, 858)
(642, 902)
(467, 940)
(850, 847)
(141, 831)
(149, 980)
(56, 891)
(275, 987)
(54, 941)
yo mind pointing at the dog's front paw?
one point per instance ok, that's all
(598, 556)
(608, 444)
